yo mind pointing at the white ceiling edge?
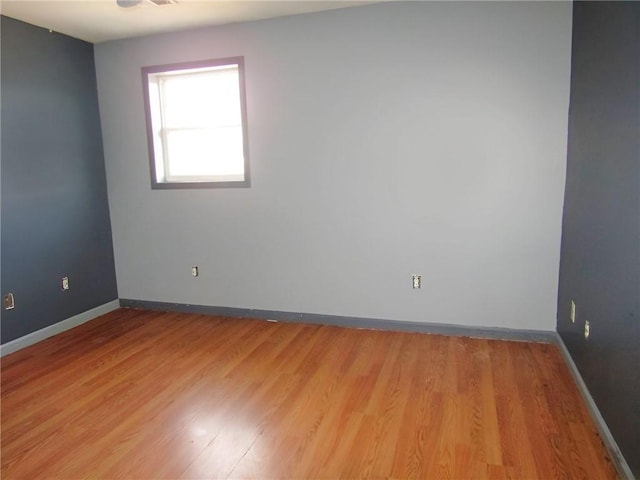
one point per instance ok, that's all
(97, 21)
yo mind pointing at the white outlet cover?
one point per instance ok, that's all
(572, 314)
(587, 330)
(8, 301)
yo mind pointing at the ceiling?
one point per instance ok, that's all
(98, 21)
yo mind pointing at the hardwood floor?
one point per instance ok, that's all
(147, 395)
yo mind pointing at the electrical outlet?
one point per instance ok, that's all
(194, 271)
(417, 281)
(572, 314)
(8, 301)
(587, 330)
(65, 283)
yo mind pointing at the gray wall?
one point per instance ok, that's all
(600, 263)
(385, 140)
(55, 216)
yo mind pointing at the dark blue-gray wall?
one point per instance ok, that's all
(55, 215)
(600, 256)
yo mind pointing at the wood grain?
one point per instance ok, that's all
(149, 395)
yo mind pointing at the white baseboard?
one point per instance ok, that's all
(51, 330)
(605, 434)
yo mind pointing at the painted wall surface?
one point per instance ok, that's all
(385, 140)
(55, 215)
(600, 263)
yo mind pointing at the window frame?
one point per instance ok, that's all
(157, 183)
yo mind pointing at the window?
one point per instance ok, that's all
(196, 124)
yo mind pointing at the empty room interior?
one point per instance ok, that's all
(320, 239)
